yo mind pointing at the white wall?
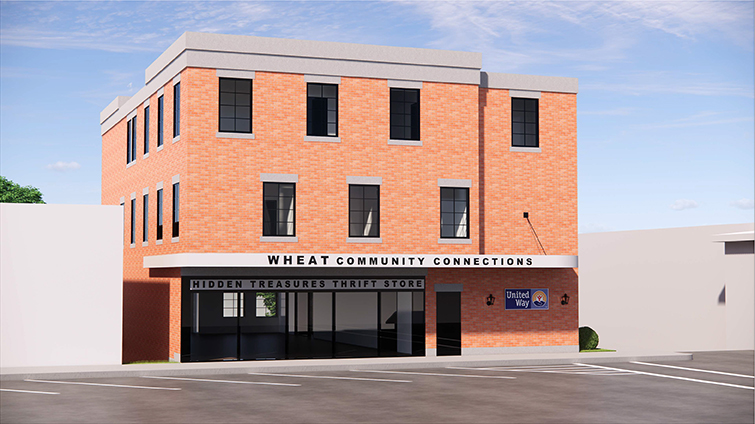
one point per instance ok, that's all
(659, 289)
(61, 278)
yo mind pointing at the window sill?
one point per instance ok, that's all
(248, 136)
(524, 149)
(405, 142)
(177, 138)
(145, 243)
(270, 239)
(130, 164)
(375, 240)
(454, 241)
(160, 147)
(132, 245)
(159, 242)
(323, 139)
(174, 240)
(146, 155)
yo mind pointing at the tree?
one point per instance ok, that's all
(11, 192)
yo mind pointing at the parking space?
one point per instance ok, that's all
(707, 391)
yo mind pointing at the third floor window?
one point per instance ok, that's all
(235, 105)
(322, 109)
(404, 114)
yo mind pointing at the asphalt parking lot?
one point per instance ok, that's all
(715, 387)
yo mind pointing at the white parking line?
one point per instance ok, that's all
(222, 381)
(29, 391)
(693, 369)
(105, 385)
(331, 377)
(672, 377)
(571, 370)
(436, 374)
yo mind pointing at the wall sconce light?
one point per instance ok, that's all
(490, 299)
(565, 299)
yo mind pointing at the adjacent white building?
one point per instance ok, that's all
(679, 289)
(61, 285)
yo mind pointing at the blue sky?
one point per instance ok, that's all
(665, 108)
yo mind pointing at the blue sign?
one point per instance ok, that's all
(536, 299)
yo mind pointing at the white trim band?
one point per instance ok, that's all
(279, 178)
(451, 182)
(232, 73)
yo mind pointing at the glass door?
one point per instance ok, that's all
(215, 321)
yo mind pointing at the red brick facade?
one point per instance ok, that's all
(465, 133)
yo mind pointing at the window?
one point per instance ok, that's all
(454, 216)
(176, 110)
(235, 105)
(131, 140)
(133, 220)
(233, 305)
(404, 114)
(266, 305)
(160, 111)
(159, 214)
(524, 122)
(322, 109)
(364, 211)
(146, 130)
(175, 209)
(145, 220)
(279, 209)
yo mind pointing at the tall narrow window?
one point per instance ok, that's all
(123, 208)
(159, 216)
(524, 122)
(454, 212)
(160, 120)
(364, 211)
(133, 221)
(145, 218)
(404, 114)
(176, 110)
(278, 209)
(322, 109)
(146, 130)
(235, 105)
(175, 209)
(131, 140)
(128, 141)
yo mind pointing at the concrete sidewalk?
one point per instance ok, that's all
(309, 365)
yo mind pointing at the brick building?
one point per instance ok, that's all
(302, 199)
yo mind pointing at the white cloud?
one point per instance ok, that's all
(743, 203)
(682, 204)
(60, 166)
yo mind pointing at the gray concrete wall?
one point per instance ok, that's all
(662, 289)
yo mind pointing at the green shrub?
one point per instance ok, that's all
(588, 338)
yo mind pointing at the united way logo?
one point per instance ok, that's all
(539, 299)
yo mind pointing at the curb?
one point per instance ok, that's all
(304, 365)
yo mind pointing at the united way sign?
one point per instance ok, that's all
(532, 299)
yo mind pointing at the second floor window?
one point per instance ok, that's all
(322, 109)
(145, 218)
(279, 212)
(524, 122)
(404, 114)
(364, 211)
(235, 105)
(133, 220)
(454, 212)
(175, 209)
(159, 216)
(160, 120)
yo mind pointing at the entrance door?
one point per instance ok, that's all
(448, 323)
